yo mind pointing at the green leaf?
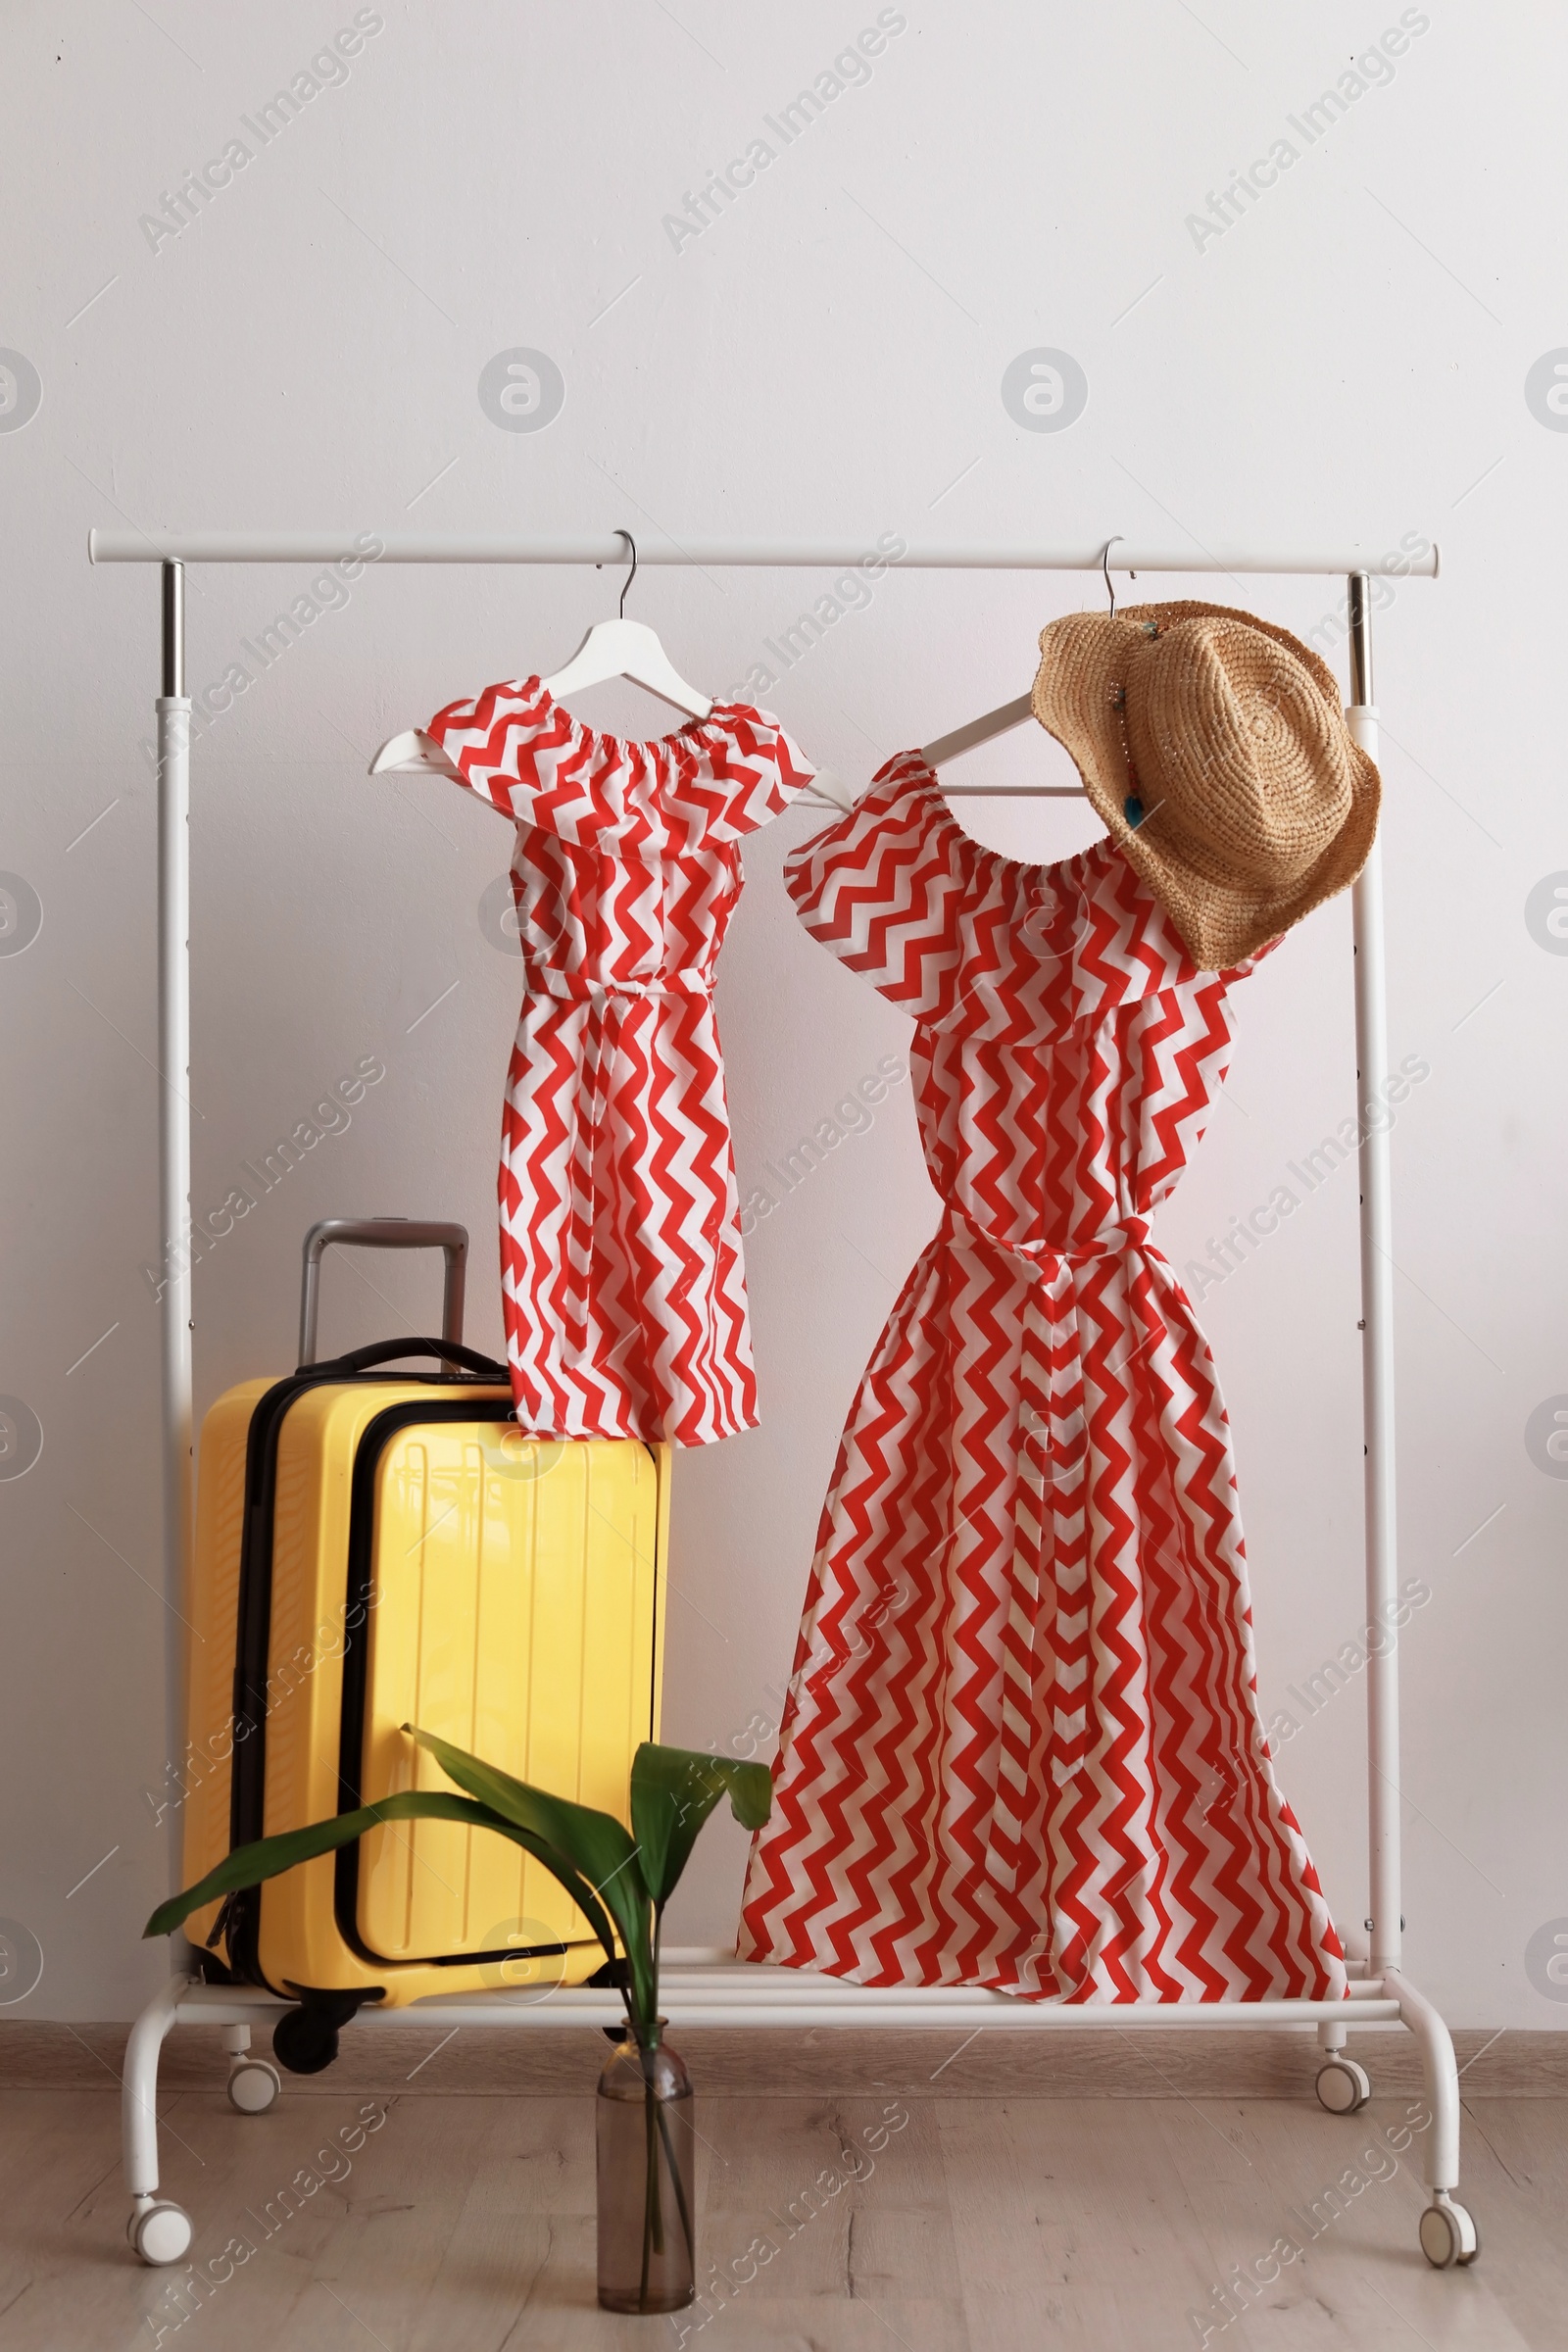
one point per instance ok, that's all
(673, 1790)
(594, 1842)
(577, 1838)
(268, 1857)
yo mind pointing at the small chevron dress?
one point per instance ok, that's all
(1022, 1746)
(623, 1286)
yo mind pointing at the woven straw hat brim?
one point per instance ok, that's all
(1084, 658)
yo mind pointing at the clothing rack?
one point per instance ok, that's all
(712, 1989)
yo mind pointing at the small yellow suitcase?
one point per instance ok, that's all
(374, 1548)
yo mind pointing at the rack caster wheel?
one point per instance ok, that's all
(159, 2232)
(1448, 2234)
(1343, 2086)
(253, 2085)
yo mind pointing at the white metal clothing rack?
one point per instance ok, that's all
(710, 1989)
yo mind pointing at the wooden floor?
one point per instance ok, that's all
(464, 2222)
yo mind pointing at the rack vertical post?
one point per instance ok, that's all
(174, 1153)
(1385, 1921)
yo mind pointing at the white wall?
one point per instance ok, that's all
(1346, 362)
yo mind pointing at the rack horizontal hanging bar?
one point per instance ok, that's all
(407, 547)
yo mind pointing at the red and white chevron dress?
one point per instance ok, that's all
(1022, 1747)
(623, 1281)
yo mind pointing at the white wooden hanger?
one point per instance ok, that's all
(1009, 715)
(613, 648)
(627, 649)
(1000, 721)
(414, 752)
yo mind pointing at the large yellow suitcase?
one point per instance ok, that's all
(378, 1547)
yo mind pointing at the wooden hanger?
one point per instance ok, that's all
(1004, 719)
(1000, 721)
(627, 649)
(613, 648)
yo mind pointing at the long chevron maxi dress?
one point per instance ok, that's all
(1022, 1746)
(622, 1282)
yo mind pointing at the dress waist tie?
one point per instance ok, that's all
(1123, 1234)
(586, 988)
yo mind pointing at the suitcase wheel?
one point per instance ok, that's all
(304, 2040)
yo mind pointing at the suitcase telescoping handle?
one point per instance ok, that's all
(384, 1233)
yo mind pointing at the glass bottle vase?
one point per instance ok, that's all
(647, 2255)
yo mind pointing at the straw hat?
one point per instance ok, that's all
(1214, 747)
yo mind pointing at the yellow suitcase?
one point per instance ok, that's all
(377, 1547)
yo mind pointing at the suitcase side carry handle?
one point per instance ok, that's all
(389, 1351)
(385, 1233)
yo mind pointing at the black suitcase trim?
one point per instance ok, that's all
(241, 1918)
